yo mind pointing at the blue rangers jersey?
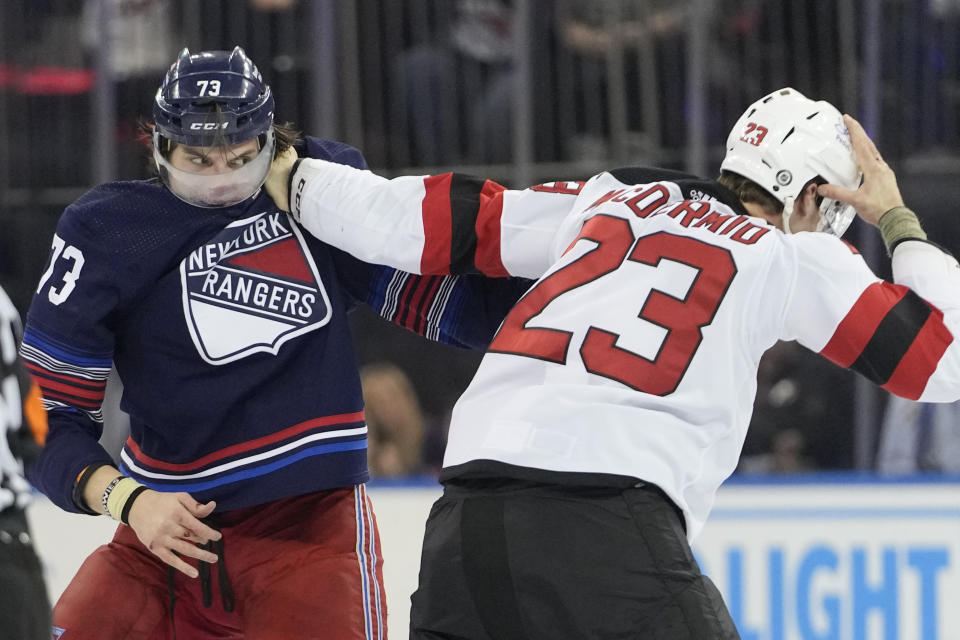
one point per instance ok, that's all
(228, 328)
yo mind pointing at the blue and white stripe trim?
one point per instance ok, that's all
(368, 562)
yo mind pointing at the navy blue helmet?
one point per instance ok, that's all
(213, 98)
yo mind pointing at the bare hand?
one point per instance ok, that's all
(168, 523)
(879, 192)
(278, 180)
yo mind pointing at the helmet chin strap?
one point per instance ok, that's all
(787, 212)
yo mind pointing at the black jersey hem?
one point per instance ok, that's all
(494, 470)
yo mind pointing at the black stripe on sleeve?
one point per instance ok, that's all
(893, 337)
(464, 207)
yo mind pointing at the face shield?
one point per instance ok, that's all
(216, 189)
(835, 217)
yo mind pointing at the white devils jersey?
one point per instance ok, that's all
(636, 351)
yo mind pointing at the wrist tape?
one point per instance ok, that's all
(899, 223)
(119, 496)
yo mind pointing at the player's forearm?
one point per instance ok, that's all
(105, 490)
(96, 485)
(935, 276)
(931, 272)
(71, 447)
(374, 219)
(432, 225)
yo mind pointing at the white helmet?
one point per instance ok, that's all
(785, 140)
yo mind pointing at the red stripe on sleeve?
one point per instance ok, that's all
(47, 385)
(413, 307)
(437, 226)
(67, 379)
(858, 326)
(910, 377)
(487, 259)
(424, 307)
(69, 399)
(403, 307)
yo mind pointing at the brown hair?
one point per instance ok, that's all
(749, 191)
(285, 136)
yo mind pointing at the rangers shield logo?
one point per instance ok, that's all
(251, 288)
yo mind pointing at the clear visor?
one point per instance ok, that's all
(835, 217)
(216, 189)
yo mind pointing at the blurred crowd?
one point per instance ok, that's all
(434, 83)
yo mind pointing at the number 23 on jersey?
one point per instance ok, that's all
(683, 319)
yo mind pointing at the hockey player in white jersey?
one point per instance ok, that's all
(615, 398)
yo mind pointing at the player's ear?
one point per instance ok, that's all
(809, 198)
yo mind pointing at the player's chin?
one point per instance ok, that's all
(224, 197)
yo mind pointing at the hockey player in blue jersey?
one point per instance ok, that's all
(227, 325)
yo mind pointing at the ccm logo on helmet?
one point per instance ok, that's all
(208, 126)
